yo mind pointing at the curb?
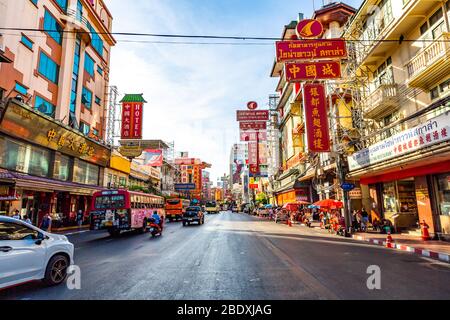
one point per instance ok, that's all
(423, 252)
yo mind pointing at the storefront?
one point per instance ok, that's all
(46, 167)
(406, 178)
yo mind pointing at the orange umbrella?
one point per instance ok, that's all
(329, 203)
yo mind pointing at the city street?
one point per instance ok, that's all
(235, 256)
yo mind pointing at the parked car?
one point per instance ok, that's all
(28, 253)
(193, 214)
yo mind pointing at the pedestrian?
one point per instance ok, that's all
(365, 218)
(80, 218)
(28, 220)
(46, 223)
(16, 215)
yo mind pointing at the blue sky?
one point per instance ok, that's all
(193, 91)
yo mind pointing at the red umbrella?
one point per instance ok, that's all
(329, 203)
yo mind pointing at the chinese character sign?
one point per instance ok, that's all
(132, 114)
(316, 117)
(253, 153)
(295, 50)
(312, 71)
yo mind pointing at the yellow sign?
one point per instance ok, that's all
(24, 123)
(131, 151)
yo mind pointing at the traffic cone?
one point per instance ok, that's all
(389, 241)
(290, 223)
(425, 233)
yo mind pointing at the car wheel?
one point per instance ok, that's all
(56, 271)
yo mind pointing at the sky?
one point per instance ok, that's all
(193, 91)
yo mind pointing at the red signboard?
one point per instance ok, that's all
(312, 71)
(132, 120)
(316, 117)
(253, 186)
(252, 105)
(253, 153)
(253, 125)
(252, 136)
(253, 115)
(309, 29)
(295, 50)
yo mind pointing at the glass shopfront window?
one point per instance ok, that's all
(61, 168)
(443, 181)
(389, 198)
(85, 172)
(21, 157)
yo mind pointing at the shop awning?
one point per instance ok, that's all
(28, 182)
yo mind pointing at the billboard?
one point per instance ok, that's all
(316, 117)
(132, 120)
(184, 186)
(294, 50)
(153, 158)
(324, 70)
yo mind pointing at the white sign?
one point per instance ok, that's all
(434, 131)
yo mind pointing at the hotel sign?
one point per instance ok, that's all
(434, 131)
(21, 122)
(253, 115)
(324, 70)
(132, 114)
(296, 50)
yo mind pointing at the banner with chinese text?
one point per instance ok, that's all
(316, 117)
(312, 71)
(132, 115)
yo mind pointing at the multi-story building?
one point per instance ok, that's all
(191, 174)
(54, 92)
(402, 51)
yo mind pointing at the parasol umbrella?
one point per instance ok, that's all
(313, 206)
(329, 204)
(268, 206)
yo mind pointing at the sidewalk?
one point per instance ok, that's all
(70, 230)
(433, 249)
(439, 250)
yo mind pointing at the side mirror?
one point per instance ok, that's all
(41, 237)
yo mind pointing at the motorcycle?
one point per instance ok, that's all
(154, 228)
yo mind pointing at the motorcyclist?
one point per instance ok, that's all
(156, 217)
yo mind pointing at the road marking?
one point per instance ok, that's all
(74, 233)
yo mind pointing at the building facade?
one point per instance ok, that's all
(53, 93)
(404, 161)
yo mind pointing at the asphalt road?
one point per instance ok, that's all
(235, 256)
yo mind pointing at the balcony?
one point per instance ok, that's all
(79, 23)
(384, 100)
(431, 64)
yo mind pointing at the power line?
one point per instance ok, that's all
(242, 38)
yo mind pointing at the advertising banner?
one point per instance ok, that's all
(316, 117)
(254, 125)
(132, 115)
(153, 158)
(436, 130)
(295, 50)
(253, 115)
(295, 72)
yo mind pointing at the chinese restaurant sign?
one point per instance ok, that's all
(23, 123)
(253, 115)
(312, 71)
(434, 131)
(255, 125)
(253, 153)
(294, 50)
(132, 120)
(316, 117)
(253, 136)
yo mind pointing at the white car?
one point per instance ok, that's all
(28, 253)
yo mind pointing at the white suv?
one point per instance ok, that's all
(28, 253)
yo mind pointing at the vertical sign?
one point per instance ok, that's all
(132, 120)
(252, 153)
(316, 117)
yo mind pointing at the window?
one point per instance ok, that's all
(62, 4)
(34, 2)
(74, 85)
(21, 89)
(440, 89)
(61, 167)
(26, 42)
(443, 193)
(100, 70)
(79, 10)
(16, 231)
(384, 74)
(436, 23)
(52, 27)
(86, 98)
(97, 42)
(85, 173)
(122, 182)
(44, 107)
(48, 68)
(98, 100)
(95, 132)
(84, 128)
(110, 202)
(89, 65)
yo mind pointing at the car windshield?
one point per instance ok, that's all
(193, 209)
(210, 204)
(173, 201)
(110, 202)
